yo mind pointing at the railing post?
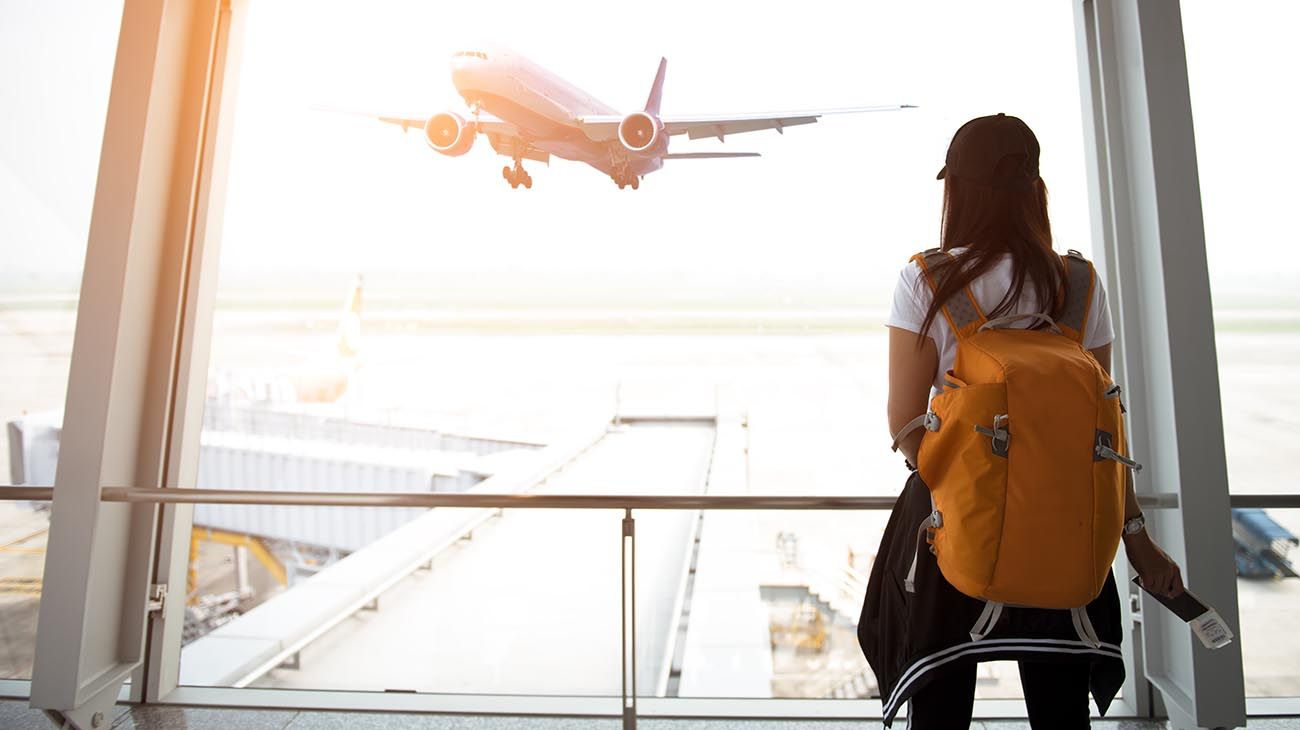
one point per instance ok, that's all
(628, 588)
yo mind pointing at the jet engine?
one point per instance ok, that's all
(641, 132)
(448, 133)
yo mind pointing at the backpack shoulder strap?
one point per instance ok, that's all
(1080, 278)
(961, 310)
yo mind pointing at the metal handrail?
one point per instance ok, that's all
(1264, 501)
(26, 494)
(500, 501)
(625, 502)
(176, 495)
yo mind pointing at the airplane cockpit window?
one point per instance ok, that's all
(470, 54)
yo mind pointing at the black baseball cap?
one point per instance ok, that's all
(999, 151)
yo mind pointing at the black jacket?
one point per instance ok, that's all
(908, 636)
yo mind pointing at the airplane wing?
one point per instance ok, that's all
(502, 135)
(696, 126)
(487, 123)
(708, 155)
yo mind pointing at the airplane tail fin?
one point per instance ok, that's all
(348, 337)
(657, 91)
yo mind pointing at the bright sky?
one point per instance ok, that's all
(834, 207)
(839, 205)
(55, 71)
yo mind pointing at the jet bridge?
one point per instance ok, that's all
(528, 584)
(1263, 546)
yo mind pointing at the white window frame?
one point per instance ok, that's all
(1150, 242)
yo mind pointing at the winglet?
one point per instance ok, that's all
(657, 91)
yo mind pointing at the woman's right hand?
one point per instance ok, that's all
(1158, 572)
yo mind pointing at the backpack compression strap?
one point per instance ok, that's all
(1080, 278)
(961, 310)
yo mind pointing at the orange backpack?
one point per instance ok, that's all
(1024, 457)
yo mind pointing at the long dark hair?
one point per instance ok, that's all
(991, 222)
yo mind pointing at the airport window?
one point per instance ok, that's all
(390, 318)
(394, 319)
(1246, 185)
(58, 66)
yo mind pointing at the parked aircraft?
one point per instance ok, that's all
(529, 113)
(323, 375)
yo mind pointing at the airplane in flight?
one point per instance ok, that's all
(529, 113)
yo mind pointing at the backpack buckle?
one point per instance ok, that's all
(999, 434)
(1103, 449)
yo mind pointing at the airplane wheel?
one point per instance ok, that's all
(636, 183)
(528, 182)
(621, 185)
(505, 172)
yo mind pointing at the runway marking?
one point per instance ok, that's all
(39, 341)
(12, 545)
(29, 586)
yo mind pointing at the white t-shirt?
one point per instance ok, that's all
(912, 297)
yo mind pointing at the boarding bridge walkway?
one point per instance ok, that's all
(489, 610)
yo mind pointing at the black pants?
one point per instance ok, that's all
(1056, 694)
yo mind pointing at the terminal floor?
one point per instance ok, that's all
(15, 715)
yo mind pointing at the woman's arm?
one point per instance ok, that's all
(1159, 573)
(912, 367)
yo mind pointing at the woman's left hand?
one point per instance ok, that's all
(1159, 573)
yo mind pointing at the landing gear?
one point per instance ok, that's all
(624, 179)
(516, 176)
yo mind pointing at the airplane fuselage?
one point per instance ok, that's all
(544, 107)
